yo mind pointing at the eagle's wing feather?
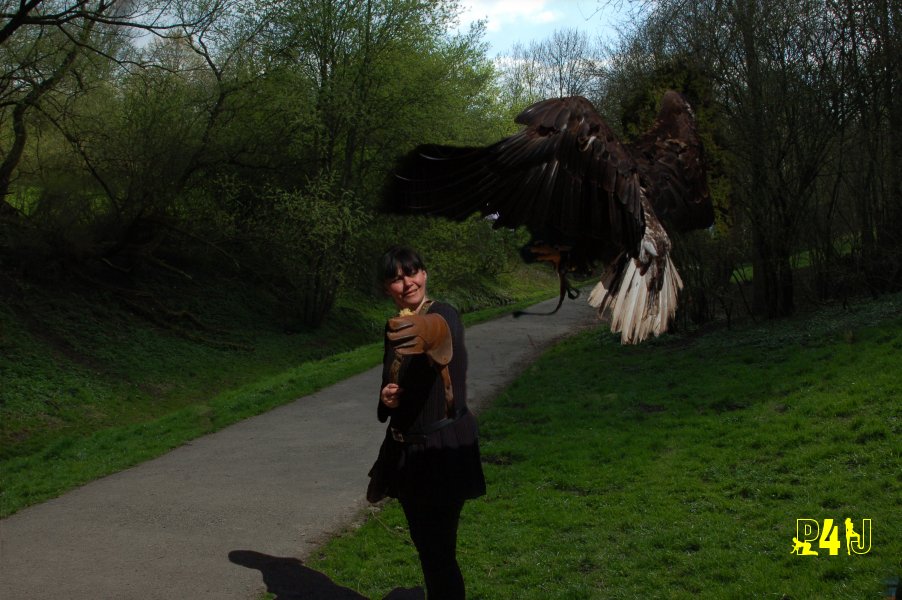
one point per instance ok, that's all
(564, 174)
(672, 161)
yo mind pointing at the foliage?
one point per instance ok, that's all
(122, 123)
(379, 77)
(247, 138)
(305, 245)
(788, 93)
(675, 469)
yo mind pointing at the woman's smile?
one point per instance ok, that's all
(408, 290)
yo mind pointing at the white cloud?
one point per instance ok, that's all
(502, 13)
(509, 22)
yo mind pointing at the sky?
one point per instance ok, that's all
(511, 21)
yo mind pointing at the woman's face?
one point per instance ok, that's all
(408, 291)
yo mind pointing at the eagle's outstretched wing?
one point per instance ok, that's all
(567, 178)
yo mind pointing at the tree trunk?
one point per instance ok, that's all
(773, 293)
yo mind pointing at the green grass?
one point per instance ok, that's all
(72, 459)
(88, 389)
(677, 469)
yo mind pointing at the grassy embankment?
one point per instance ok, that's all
(87, 388)
(677, 469)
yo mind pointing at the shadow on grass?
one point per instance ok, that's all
(288, 579)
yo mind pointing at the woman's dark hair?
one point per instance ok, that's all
(407, 259)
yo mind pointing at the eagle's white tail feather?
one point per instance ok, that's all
(636, 311)
(630, 304)
(600, 295)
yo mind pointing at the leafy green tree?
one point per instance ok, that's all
(231, 126)
(375, 77)
(41, 43)
(304, 244)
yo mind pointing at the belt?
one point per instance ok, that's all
(407, 438)
(421, 436)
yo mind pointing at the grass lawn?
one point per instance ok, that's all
(678, 469)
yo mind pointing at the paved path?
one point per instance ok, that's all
(271, 486)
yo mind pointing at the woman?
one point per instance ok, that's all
(429, 459)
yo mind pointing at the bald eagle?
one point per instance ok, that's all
(585, 197)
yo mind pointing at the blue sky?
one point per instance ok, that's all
(510, 21)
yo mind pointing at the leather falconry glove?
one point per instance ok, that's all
(421, 334)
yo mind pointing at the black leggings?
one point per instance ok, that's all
(433, 529)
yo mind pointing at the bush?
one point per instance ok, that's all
(305, 245)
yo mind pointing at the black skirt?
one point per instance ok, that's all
(447, 466)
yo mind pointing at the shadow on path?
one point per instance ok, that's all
(288, 579)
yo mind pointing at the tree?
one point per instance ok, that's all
(221, 127)
(792, 99)
(869, 160)
(41, 42)
(564, 64)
